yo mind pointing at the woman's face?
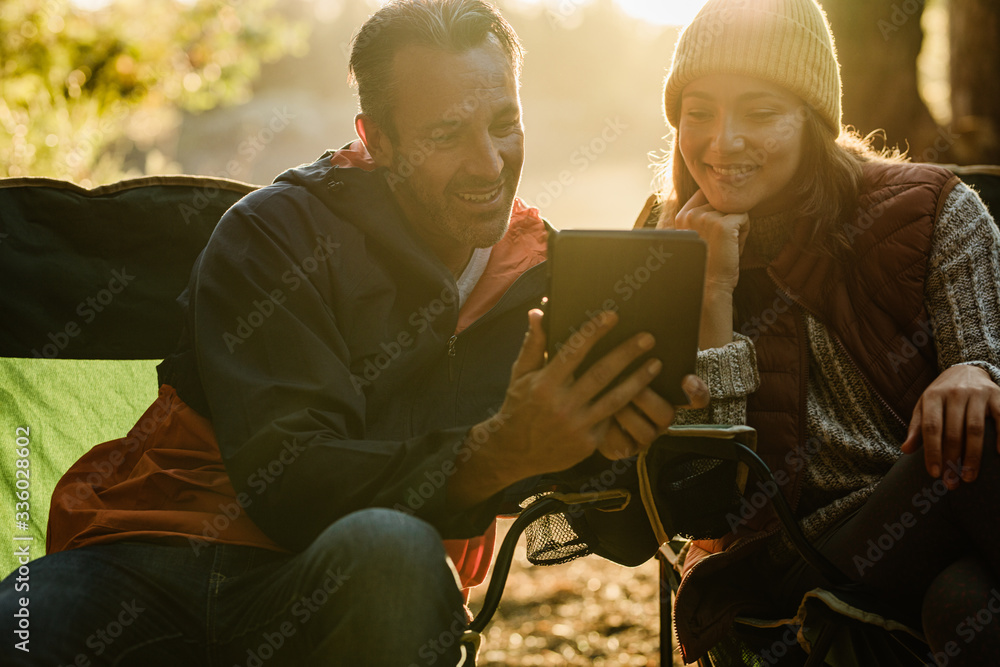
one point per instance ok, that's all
(741, 139)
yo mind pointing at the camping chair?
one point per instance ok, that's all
(690, 480)
(87, 311)
(841, 625)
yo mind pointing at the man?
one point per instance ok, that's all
(353, 385)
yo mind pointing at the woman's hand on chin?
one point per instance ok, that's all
(725, 235)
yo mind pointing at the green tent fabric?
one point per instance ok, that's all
(88, 308)
(56, 410)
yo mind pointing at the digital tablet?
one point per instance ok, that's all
(653, 279)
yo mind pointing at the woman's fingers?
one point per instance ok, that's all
(699, 200)
(954, 411)
(975, 424)
(914, 434)
(994, 407)
(950, 419)
(697, 392)
(931, 428)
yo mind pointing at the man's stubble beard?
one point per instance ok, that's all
(483, 233)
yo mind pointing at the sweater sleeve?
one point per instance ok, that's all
(731, 374)
(962, 293)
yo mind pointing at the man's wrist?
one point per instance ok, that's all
(489, 467)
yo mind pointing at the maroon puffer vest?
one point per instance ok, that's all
(873, 305)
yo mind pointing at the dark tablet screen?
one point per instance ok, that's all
(653, 279)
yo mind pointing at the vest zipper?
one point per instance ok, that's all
(843, 348)
(802, 426)
(871, 387)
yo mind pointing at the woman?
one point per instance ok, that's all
(850, 316)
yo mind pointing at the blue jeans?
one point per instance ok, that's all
(375, 588)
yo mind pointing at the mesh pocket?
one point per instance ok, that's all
(552, 540)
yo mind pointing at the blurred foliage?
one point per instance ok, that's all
(81, 89)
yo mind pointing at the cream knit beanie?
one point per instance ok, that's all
(785, 42)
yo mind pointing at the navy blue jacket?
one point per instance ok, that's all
(319, 334)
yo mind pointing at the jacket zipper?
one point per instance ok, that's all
(453, 341)
(684, 579)
(451, 357)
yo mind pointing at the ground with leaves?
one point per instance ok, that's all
(588, 612)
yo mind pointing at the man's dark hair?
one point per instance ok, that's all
(450, 25)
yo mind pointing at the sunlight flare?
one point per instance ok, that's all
(660, 12)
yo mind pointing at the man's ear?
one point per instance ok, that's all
(376, 140)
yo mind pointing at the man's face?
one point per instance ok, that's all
(459, 145)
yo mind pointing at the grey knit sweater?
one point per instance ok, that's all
(860, 439)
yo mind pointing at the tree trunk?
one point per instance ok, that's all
(877, 43)
(975, 93)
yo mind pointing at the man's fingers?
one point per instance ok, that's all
(637, 427)
(603, 372)
(616, 443)
(574, 349)
(655, 409)
(532, 354)
(621, 395)
(646, 418)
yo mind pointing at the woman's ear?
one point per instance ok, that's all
(375, 139)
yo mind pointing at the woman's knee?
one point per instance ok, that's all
(961, 612)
